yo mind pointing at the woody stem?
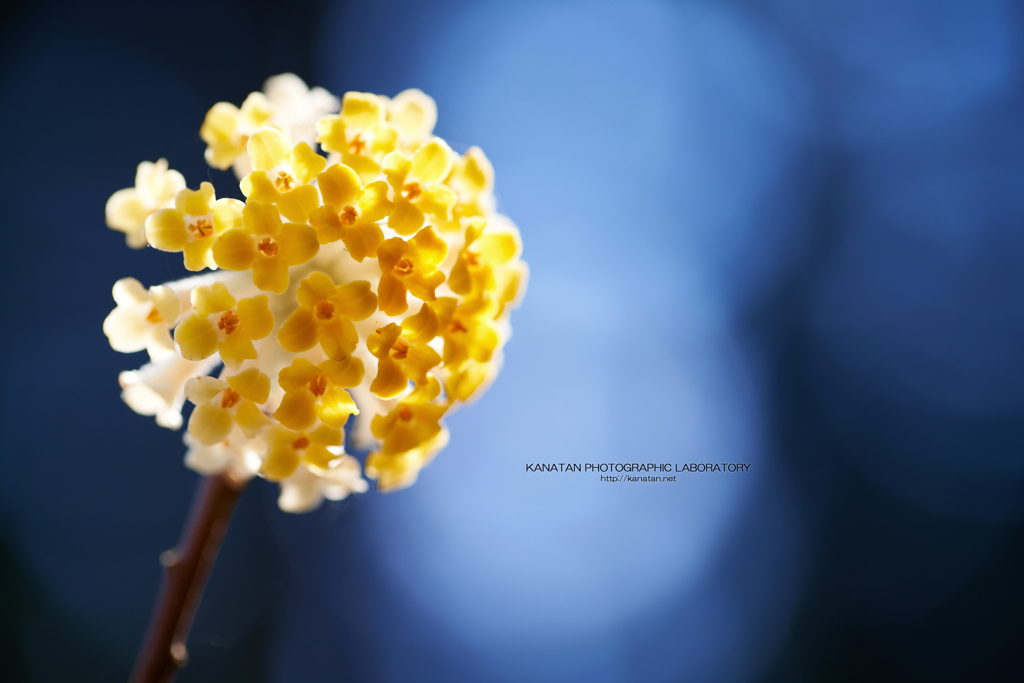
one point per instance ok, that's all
(188, 565)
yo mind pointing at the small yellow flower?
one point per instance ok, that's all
(227, 128)
(413, 113)
(360, 133)
(193, 225)
(325, 314)
(282, 173)
(411, 435)
(410, 267)
(266, 245)
(488, 268)
(318, 392)
(399, 361)
(155, 188)
(143, 318)
(223, 403)
(220, 324)
(288, 449)
(419, 186)
(351, 211)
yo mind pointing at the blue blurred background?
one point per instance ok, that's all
(785, 233)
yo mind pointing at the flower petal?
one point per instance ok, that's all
(268, 147)
(196, 337)
(299, 331)
(298, 244)
(297, 410)
(355, 300)
(432, 162)
(165, 230)
(339, 185)
(234, 250)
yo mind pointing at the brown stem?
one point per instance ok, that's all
(188, 565)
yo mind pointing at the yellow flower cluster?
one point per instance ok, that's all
(366, 274)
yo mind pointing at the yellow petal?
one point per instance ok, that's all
(438, 201)
(422, 285)
(255, 318)
(335, 406)
(215, 298)
(496, 248)
(296, 205)
(209, 424)
(430, 249)
(298, 244)
(374, 203)
(280, 462)
(196, 203)
(391, 295)
(296, 376)
(472, 173)
(346, 373)
(250, 418)
(126, 211)
(234, 250)
(299, 331)
(419, 359)
(327, 223)
(361, 111)
(339, 185)
(331, 134)
(338, 337)
(251, 384)
(197, 254)
(422, 326)
(406, 218)
(235, 349)
(196, 337)
(259, 188)
(268, 147)
(395, 168)
(319, 456)
(305, 162)
(227, 215)
(414, 113)
(271, 274)
(297, 410)
(432, 162)
(390, 380)
(165, 230)
(362, 240)
(315, 287)
(355, 300)
(260, 218)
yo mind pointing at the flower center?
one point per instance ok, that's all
(411, 191)
(400, 350)
(405, 412)
(318, 385)
(268, 247)
(456, 326)
(348, 216)
(357, 145)
(324, 309)
(300, 443)
(230, 398)
(228, 322)
(472, 259)
(283, 181)
(201, 228)
(154, 316)
(404, 266)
